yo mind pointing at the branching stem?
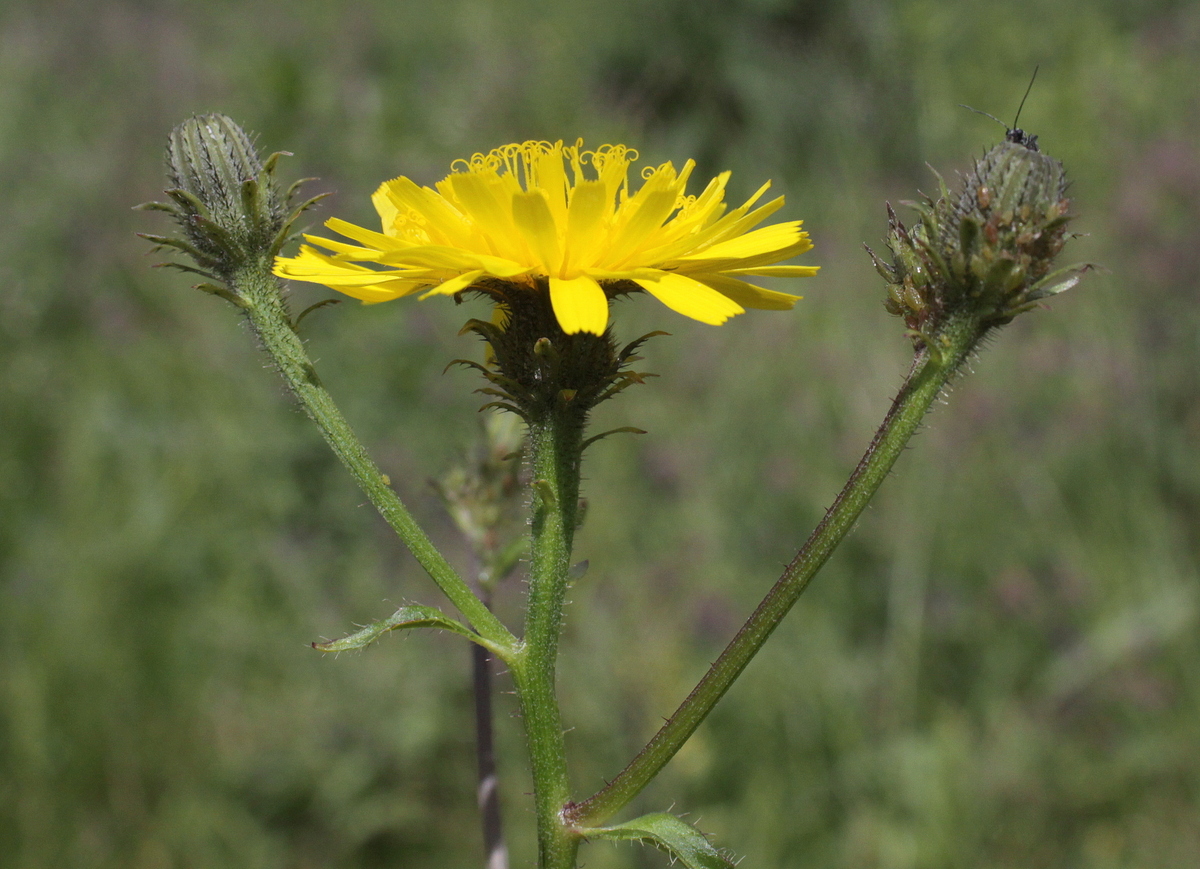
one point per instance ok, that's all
(927, 378)
(264, 307)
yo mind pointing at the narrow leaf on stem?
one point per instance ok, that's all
(680, 840)
(405, 617)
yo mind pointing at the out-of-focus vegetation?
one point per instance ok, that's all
(997, 669)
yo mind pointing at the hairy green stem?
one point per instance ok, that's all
(555, 444)
(931, 371)
(258, 291)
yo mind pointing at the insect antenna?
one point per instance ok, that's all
(1032, 79)
(1014, 133)
(985, 114)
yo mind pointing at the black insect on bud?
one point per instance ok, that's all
(987, 252)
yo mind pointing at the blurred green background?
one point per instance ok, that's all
(998, 669)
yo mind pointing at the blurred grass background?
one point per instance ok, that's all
(998, 669)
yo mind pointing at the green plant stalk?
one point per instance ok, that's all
(258, 291)
(930, 372)
(555, 445)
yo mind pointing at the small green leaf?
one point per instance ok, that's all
(405, 617)
(1059, 281)
(680, 840)
(625, 428)
(313, 307)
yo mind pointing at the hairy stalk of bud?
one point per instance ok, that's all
(987, 253)
(233, 222)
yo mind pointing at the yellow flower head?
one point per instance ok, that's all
(538, 214)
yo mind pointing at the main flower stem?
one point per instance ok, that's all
(928, 376)
(555, 443)
(259, 292)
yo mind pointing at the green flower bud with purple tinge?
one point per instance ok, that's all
(987, 253)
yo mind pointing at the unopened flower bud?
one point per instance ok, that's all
(226, 201)
(988, 251)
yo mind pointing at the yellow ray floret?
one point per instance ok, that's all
(541, 214)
